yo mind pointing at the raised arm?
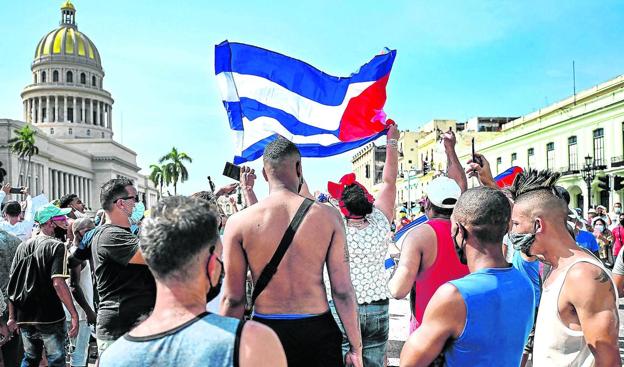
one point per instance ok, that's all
(233, 300)
(589, 290)
(414, 245)
(247, 181)
(444, 319)
(342, 290)
(454, 169)
(387, 194)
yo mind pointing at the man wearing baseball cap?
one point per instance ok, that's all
(428, 257)
(37, 291)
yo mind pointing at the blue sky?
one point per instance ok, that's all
(456, 59)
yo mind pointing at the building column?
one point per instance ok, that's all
(56, 109)
(51, 183)
(83, 112)
(75, 114)
(48, 112)
(91, 112)
(64, 108)
(59, 184)
(25, 110)
(32, 110)
(88, 192)
(98, 119)
(110, 116)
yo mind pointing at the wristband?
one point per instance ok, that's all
(392, 143)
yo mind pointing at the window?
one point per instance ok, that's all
(367, 171)
(572, 154)
(499, 162)
(88, 132)
(70, 114)
(44, 114)
(70, 77)
(530, 155)
(102, 135)
(599, 147)
(70, 131)
(550, 156)
(43, 76)
(410, 162)
(51, 131)
(55, 76)
(514, 158)
(83, 78)
(35, 77)
(93, 81)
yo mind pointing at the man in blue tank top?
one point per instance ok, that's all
(484, 318)
(182, 248)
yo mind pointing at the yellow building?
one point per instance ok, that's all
(367, 164)
(561, 136)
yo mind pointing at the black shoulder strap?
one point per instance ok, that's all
(237, 342)
(271, 268)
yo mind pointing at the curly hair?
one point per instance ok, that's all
(355, 201)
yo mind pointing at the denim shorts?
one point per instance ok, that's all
(35, 337)
(375, 327)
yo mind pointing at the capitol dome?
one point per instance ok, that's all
(67, 42)
(67, 98)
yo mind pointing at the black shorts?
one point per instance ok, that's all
(314, 341)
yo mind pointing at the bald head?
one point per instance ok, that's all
(485, 212)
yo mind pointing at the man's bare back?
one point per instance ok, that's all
(254, 234)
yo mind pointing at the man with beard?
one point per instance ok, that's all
(125, 285)
(37, 292)
(577, 322)
(77, 206)
(464, 315)
(182, 248)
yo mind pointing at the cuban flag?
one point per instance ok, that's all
(267, 94)
(508, 176)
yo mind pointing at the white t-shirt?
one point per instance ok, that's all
(23, 229)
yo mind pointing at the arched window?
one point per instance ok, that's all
(93, 81)
(70, 131)
(43, 76)
(70, 77)
(55, 76)
(83, 78)
(88, 132)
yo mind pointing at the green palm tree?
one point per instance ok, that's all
(157, 177)
(23, 145)
(174, 169)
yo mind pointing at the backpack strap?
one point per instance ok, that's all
(271, 268)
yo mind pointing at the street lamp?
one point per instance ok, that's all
(589, 173)
(409, 189)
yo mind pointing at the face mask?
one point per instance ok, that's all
(618, 210)
(135, 229)
(214, 290)
(599, 227)
(523, 241)
(137, 213)
(460, 250)
(622, 222)
(60, 233)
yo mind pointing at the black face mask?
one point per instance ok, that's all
(60, 233)
(460, 249)
(622, 222)
(214, 290)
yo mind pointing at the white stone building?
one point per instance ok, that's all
(72, 114)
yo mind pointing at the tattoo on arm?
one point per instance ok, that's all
(603, 277)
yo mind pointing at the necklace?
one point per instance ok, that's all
(357, 223)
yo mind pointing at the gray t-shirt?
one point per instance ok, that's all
(618, 268)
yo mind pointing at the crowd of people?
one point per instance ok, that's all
(496, 276)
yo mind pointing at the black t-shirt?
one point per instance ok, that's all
(127, 292)
(30, 288)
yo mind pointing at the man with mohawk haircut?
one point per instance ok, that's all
(577, 322)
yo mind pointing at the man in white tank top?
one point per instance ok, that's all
(577, 322)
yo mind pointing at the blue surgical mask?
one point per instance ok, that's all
(134, 228)
(137, 213)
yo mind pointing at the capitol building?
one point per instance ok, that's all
(72, 113)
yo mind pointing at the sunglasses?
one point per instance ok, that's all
(60, 218)
(136, 198)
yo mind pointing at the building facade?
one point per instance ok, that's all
(561, 137)
(367, 164)
(71, 112)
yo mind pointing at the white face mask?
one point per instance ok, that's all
(599, 227)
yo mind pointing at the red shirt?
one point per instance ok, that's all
(618, 233)
(445, 267)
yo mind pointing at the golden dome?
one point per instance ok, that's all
(66, 41)
(68, 5)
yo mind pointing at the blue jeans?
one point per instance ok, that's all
(79, 346)
(375, 326)
(36, 336)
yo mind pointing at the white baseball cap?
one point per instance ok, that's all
(443, 192)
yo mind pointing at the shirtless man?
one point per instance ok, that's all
(577, 322)
(294, 303)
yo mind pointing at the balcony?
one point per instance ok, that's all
(601, 164)
(569, 170)
(617, 161)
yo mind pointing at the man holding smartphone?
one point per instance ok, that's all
(11, 216)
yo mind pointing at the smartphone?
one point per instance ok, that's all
(232, 171)
(212, 185)
(16, 190)
(475, 159)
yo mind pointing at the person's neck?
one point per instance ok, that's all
(280, 188)
(487, 256)
(47, 231)
(559, 249)
(119, 219)
(176, 303)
